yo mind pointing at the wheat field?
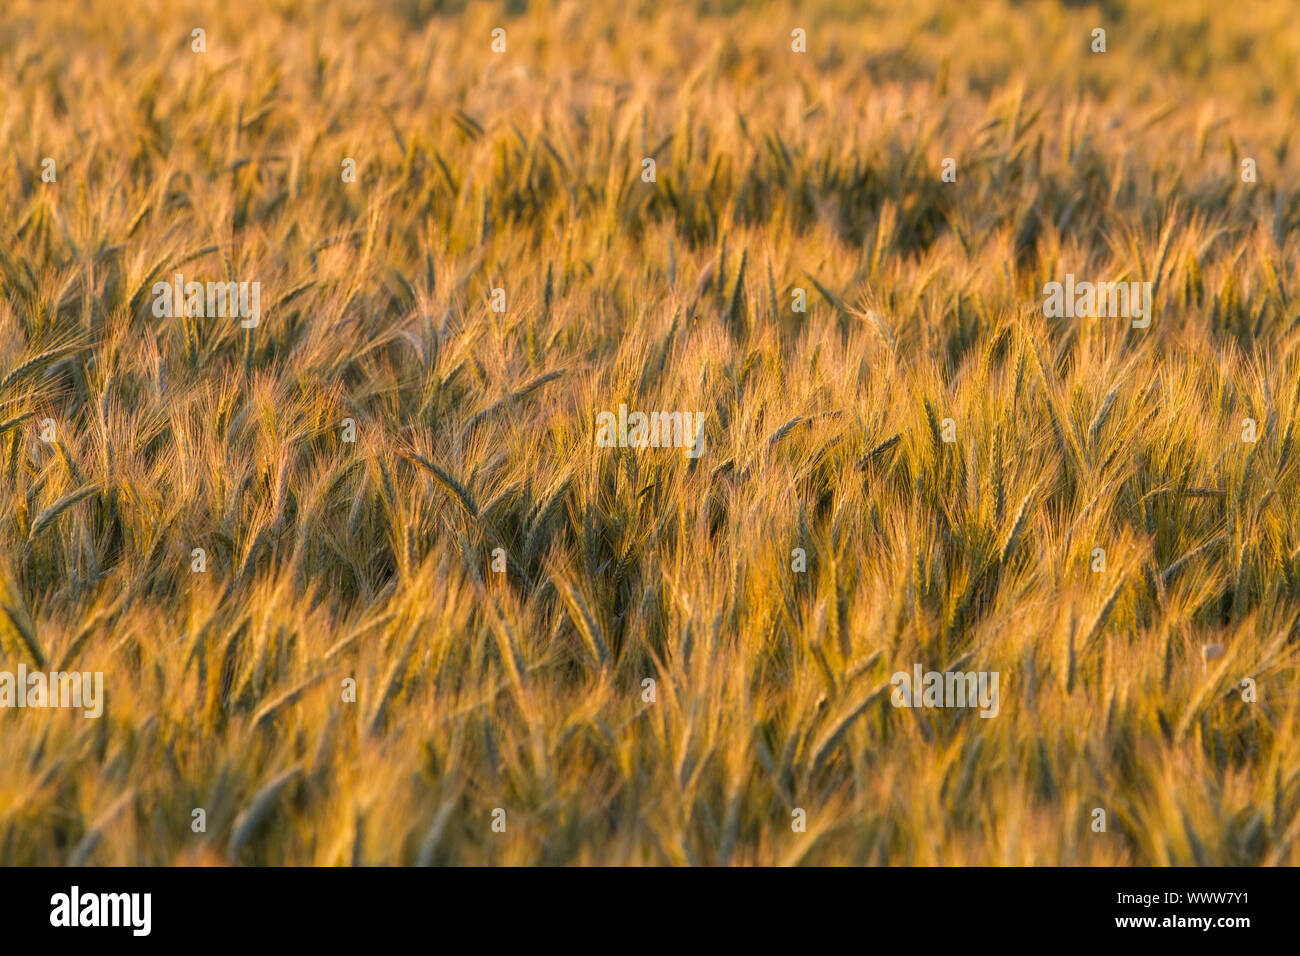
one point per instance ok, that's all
(365, 589)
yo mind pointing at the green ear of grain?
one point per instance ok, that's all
(585, 622)
(458, 491)
(247, 821)
(15, 622)
(838, 727)
(37, 363)
(48, 516)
